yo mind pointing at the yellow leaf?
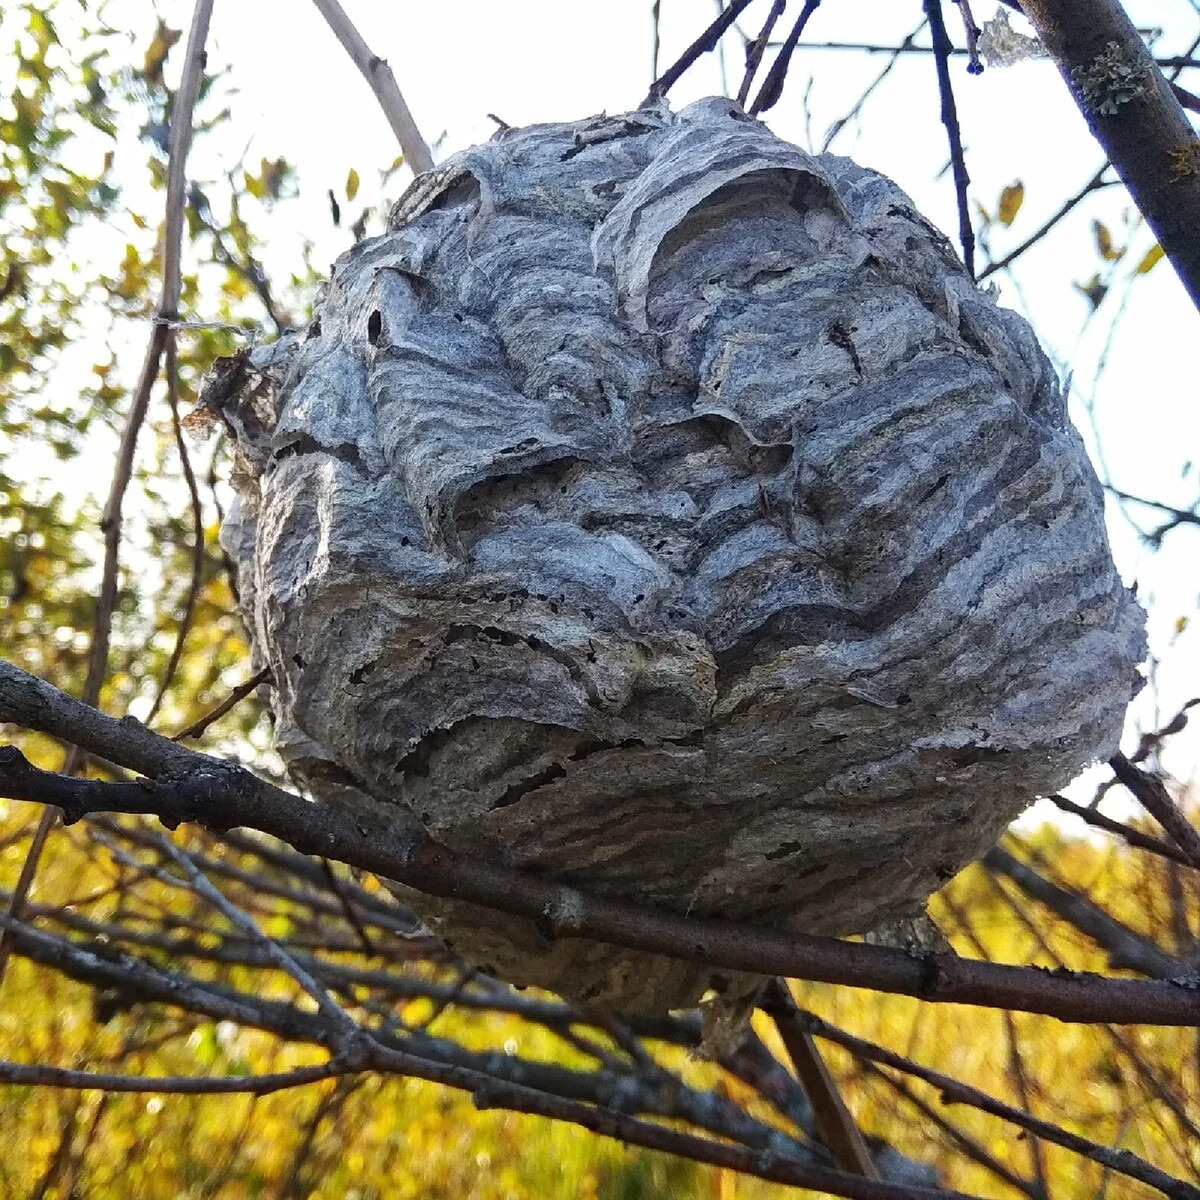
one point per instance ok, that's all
(1011, 199)
(1149, 259)
(1094, 290)
(1181, 623)
(352, 184)
(1104, 242)
(157, 51)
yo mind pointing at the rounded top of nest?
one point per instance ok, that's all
(662, 507)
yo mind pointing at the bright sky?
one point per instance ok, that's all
(297, 95)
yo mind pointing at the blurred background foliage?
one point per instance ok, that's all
(372, 1137)
(84, 110)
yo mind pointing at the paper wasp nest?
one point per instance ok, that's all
(662, 509)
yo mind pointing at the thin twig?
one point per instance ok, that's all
(755, 49)
(197, 548)
(1148, 1076)
(1152, 739)
(965, 1144)
(1179, 61)
(166, 311)
(1189, 100)
(949, 112)
(20, 893)
(857, 107)
(347, 1027)
(1018, 1076)
(239, 693)
(772, 86)
(834, 1124)
(655, 37)
(1157, 801)
(1134, 837)
(704, 44)
(1096, 182)
(954, 1091)
(1178, 516)
(192, 1085)
(970, 36)
(349, 911)
(378, 75)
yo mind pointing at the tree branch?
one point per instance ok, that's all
(704, 44)
(162, 331)
(1155, 799)
(833, 1120)
(954, 1091)
(1134, 115)
(949, 111)
(378, 75)
(184, 785)
(192, 1085)
(1126, 949)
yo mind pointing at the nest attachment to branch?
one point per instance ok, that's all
(663, 509)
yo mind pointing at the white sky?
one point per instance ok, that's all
(297, 95)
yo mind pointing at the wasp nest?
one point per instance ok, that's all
(663, 509)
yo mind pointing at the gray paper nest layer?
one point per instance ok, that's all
(663, 509)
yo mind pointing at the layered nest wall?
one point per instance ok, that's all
(661, 508)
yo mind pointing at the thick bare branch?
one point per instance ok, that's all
(1134, 115)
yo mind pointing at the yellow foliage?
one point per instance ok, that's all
(372, 1137)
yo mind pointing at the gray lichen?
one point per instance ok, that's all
(1111, 79)
(663, 509)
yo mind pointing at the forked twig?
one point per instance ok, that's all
(704, 44)
(756, 47)
(772, 85)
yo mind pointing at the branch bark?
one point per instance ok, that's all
(1133, 113)
(833, 1120)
